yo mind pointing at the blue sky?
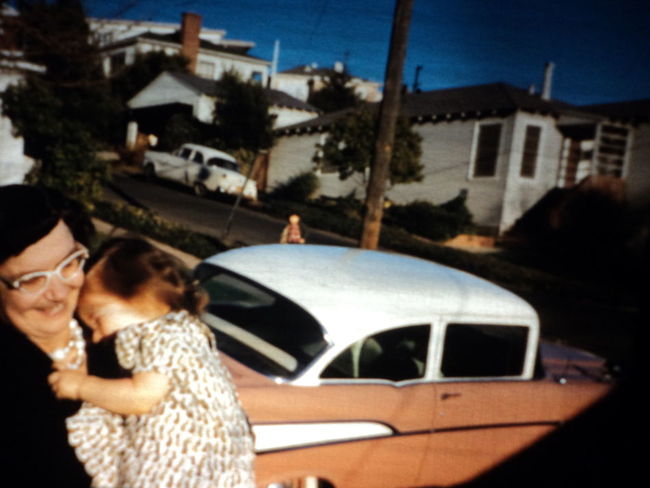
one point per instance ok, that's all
(600, 48)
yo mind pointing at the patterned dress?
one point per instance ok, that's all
(197, 436)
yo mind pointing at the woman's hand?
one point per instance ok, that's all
(67, 383)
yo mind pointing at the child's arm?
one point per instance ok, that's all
(125, 396)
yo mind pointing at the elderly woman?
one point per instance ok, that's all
(41, 272)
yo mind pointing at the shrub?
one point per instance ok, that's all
(298, 189)
(437, 222)
(179, 129)
(144, 222)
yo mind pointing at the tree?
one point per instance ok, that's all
(349, 147)
(241, 117)
(134, 77)
(63, 114)
(337, 94)
(180, 128)
(55, 34)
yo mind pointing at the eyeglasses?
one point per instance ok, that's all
(36, 282)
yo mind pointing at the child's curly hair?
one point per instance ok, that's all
(130, 264)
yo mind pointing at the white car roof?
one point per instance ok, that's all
(209, 152)
(355, 292)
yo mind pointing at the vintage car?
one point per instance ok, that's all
(362, 368)
(202, 168)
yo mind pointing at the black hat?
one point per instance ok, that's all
(26, 216)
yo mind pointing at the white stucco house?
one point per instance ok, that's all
(300, 81)
(505, 146)
(209, 52)
(172, 92)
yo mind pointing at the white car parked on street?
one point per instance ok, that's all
(202, 168)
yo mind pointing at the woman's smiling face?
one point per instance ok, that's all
(44, 316)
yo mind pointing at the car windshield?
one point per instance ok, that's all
(223, 163)
(258, 327)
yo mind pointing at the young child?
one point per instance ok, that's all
(292, 232)
(177, 420)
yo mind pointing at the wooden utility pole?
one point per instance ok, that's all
(388, 112)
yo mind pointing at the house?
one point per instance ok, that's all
(172, 92)
(209, 53)
(503, 146)
(637, 170)
(14, 165)
(301, 81)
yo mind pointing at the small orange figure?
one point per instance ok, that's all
(292, 232)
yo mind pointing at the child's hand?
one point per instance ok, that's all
(67, 383)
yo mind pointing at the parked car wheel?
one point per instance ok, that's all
(200, 190)
(149, 171)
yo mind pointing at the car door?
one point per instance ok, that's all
(195, 168)
(373, 412)
(483, 412)
(178, 164)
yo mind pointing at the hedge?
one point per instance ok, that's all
(147, 223)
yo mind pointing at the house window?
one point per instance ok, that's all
(205, 69)
(612, 146)
(118, 61)
(487, 150)
(531, 147)
(257, 76)
(481, 350)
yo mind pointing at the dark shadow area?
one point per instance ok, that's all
(600, 448)
(603, 447)
(588, 232)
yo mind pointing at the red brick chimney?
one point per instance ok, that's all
(190, 29)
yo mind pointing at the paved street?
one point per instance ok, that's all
(209, 216)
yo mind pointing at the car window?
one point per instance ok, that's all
(198, 157)
(185, 153)
(258, 327)
(397, 354)
(223, 163)
(479, 350)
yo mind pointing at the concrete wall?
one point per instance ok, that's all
(448, 150)
(290, 157)
(14, 165)
(296, 86)
(521, 192)
(247, 68)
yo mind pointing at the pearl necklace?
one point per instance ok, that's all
(76, 344)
